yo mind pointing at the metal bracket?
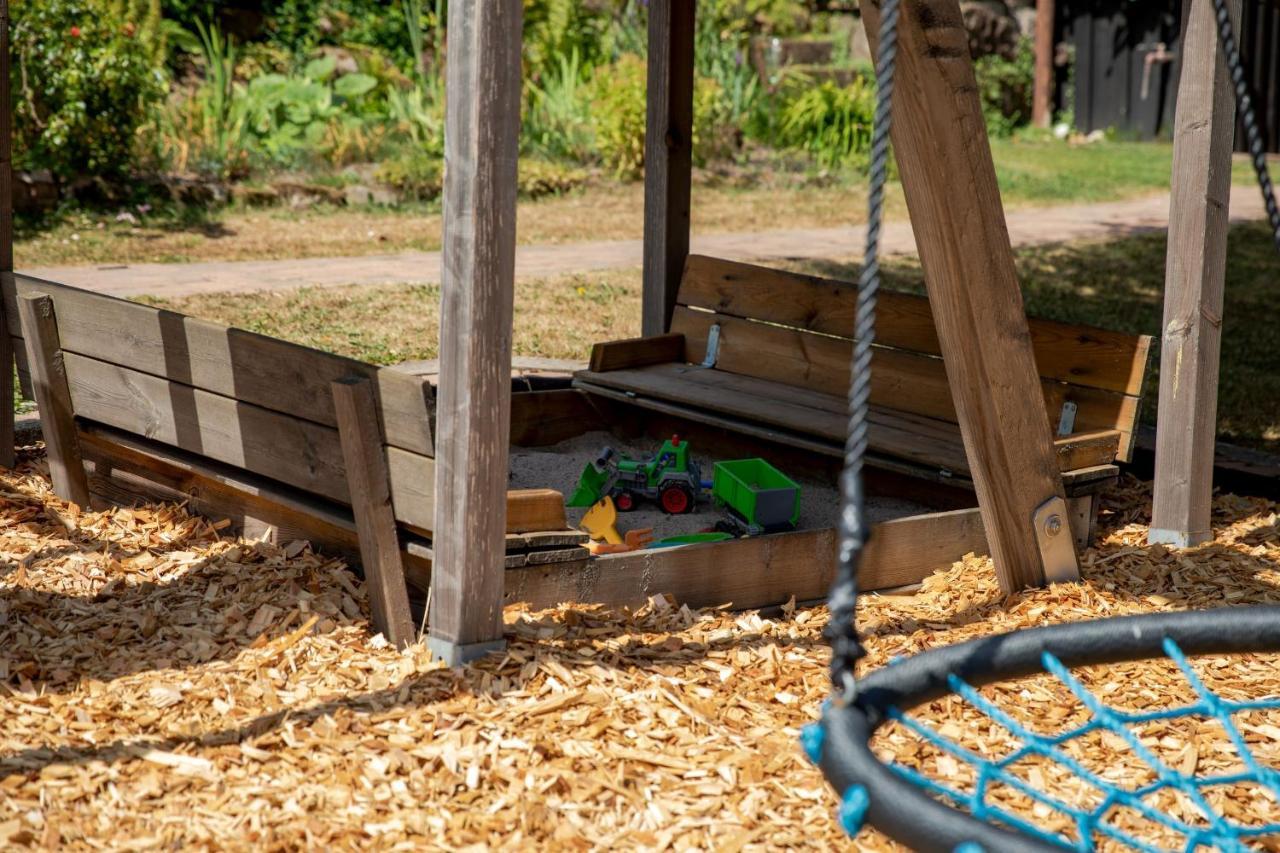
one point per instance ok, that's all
(1052, 529)
(1067, 423)
(713, 346)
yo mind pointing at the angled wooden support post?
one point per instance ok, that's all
(7, 455)
(53, 396)
(1195, 272)
(482, 126)
(949, 180)
(365, 462)
(668, 159)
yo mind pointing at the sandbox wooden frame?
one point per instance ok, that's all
(949, 182)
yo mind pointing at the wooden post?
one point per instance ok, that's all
(1204, 129)
(53, 396)
(949, 180)
(7, 455)
(365, 462)
(482, 128)
(1042, 100)
(668, 159)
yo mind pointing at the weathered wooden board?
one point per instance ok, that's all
(482, 130)
(125, 469)
(53, 395)
(803, 411)
(1195, 278)
(755, 572)
(901, 380)
(296, 452)
(542, 418)
(366, 465)
(949, 181)
(668, 157)
(1080, 355)
(252, 368)
(636, 352)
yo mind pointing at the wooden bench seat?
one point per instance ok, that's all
(779, 368)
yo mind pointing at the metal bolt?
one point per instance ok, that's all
(1053, 525)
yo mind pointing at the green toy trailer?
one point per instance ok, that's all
(670, 478)
(757, 497)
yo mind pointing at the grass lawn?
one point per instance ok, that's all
(1031, 173)
(1113, 284)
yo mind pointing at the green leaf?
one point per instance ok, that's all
(353, 85)
(321, 69)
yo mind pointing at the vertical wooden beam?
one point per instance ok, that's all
(53, 396)
(482, 128)
(668, 159)
(1042, 99)
(7, 455)
(365, 463)
(949, 180)
(1195, 271)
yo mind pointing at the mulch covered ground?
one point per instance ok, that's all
(163, 686)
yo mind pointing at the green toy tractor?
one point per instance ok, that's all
(670, 478)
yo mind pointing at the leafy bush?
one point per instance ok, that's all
(557, 118)
(1006, 87)
(618, 115)
(84, 83)
(539, 178)
(830, 122)
(417, 174)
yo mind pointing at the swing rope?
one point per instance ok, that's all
(1248, 117)
(846, 650)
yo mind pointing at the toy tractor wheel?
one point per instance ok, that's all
(676, 499)
(625, 501)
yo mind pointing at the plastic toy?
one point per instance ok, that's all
(670, 478)
(600, 524)
(757, 497)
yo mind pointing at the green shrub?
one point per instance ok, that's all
(84, 83)
(417, 174)
(557, 114)
(832, 123)
(539, 178)
(618, 115)
(1006, 87)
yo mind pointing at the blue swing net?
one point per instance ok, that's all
(1211, 829)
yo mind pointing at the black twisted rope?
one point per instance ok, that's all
(1247, 115)
(841, 630)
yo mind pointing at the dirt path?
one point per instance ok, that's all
(1026, 227)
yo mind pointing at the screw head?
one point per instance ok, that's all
(1053, 525)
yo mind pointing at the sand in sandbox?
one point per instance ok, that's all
(559, 466)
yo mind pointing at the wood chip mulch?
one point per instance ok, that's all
(162, 685)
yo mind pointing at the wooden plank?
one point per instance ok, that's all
(125, 470)
(542, 418)
(1042, 92)
(293, 451)
(801, 410)
(482, 130)
(57, 411)
(1080, 355)
(949, 180)
(532, 510)
(755, 572)
(1204, 128)
(668, 158)
(636, 352)
(7, 450)
(902, 380)
(245, 366)
(367, 477)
